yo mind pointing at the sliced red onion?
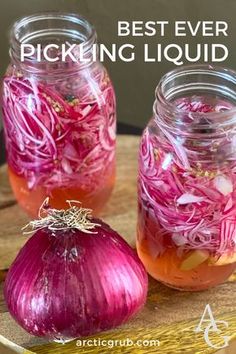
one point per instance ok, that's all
(61, 128)
(191, 201)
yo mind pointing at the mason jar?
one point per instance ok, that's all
(187, 180)
(59, 116)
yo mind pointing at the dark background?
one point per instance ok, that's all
(134, 82)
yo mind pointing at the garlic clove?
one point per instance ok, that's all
(223, 184)
(223, 260)
(187, 198)
(196, 258)
(66, 166)
(179, 240)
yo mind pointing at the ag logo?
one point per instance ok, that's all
(212, 326)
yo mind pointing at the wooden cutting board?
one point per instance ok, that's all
(169, 316)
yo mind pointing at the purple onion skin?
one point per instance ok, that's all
(73, 284)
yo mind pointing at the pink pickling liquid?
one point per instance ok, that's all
(186, 201)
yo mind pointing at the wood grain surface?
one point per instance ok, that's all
(169, 316)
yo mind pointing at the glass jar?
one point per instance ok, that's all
(59, 117)
(187, 180)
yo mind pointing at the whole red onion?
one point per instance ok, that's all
(74, 279)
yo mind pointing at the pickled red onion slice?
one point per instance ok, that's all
(193, 202)
(58, 140)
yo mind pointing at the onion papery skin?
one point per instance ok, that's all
(60, 136)
(73, 284)
(187, 201)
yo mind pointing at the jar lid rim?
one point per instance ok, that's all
(86, 38)
(225, 73)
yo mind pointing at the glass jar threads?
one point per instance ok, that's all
(187, 180)
(59, 116)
